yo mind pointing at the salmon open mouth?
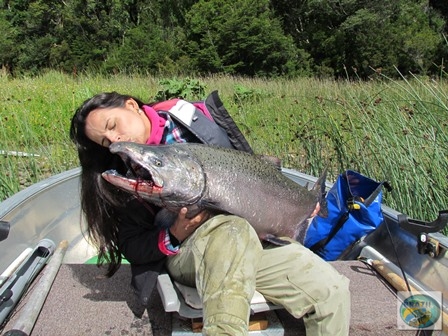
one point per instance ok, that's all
(138, 178)
(137, 171)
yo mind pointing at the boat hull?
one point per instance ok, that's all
(50, 210)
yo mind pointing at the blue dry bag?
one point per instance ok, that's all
(354, 210)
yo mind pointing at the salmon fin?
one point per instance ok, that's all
(272, 160)
(276, 240)
(320, 187)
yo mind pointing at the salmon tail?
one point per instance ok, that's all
(320, 187)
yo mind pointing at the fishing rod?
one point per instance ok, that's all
(7, 273)
(31, 310)
(13, 289)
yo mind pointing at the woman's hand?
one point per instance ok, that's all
(183, 226)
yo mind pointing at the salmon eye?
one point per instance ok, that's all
(157, 163)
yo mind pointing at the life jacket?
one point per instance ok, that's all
(208, 120)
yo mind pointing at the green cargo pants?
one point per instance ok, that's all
(225, 261)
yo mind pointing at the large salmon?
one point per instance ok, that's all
(220, 180)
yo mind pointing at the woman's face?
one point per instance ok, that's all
(108, 125)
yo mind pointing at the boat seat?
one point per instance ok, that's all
(185, 301)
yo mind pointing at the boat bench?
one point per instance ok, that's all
(185, 301)
(83, 302)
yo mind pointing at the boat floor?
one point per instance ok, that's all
(82, 302)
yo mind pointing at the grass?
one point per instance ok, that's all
(386, 129)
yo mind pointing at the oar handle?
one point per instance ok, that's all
(25, 323)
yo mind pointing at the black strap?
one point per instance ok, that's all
(319, 246)
(369, 200)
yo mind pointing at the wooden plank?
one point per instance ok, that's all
(257, 321)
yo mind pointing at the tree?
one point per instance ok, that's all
(241, 39)
(441, 7)
(420, 37)
(248, 37)
(90, 30)
(8, 47)
(31, 24)
(352, 37)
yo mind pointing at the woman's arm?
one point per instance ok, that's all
(137, 234)
(139, 238)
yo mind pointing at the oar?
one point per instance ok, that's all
(28, 316)
(14, 266)
(400, 285)
(12, 290)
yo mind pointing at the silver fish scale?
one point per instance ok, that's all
(252, 188)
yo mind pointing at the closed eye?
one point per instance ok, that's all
(110, 126)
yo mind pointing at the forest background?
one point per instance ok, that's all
(325, 38)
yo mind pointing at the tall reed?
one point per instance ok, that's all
(386, 129)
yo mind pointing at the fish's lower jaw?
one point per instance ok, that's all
(157, 190)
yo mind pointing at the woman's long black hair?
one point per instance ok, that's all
(100, 201)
